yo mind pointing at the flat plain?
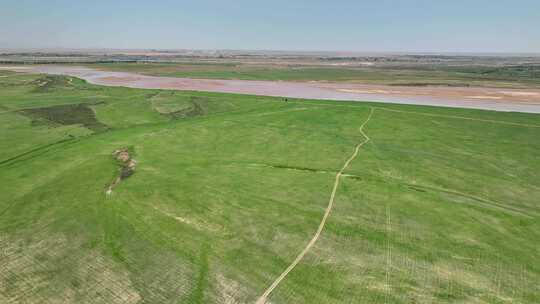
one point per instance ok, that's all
(405, 73)
(412, 70)
(440, 206)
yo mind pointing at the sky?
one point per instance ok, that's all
(301, 25)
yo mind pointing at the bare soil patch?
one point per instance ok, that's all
(127, 167)
(50, 82)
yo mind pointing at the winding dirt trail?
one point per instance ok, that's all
(263, 298)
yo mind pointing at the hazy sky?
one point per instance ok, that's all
(346, 25)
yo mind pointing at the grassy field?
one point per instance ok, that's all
(441, 206)
(515, 76)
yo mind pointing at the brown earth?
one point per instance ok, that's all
(127, 167)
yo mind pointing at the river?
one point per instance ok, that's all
(497, 99)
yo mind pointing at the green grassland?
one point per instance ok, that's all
(512, 76)
(441, 206)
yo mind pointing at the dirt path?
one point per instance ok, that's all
(262, 299)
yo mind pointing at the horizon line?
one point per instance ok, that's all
(283, 51)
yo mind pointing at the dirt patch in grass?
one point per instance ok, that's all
(127, 165)
(76, 114)
(49, 82)
(230, 291)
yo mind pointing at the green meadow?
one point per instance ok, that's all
(441, 205)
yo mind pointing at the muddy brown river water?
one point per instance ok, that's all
(516, 100)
